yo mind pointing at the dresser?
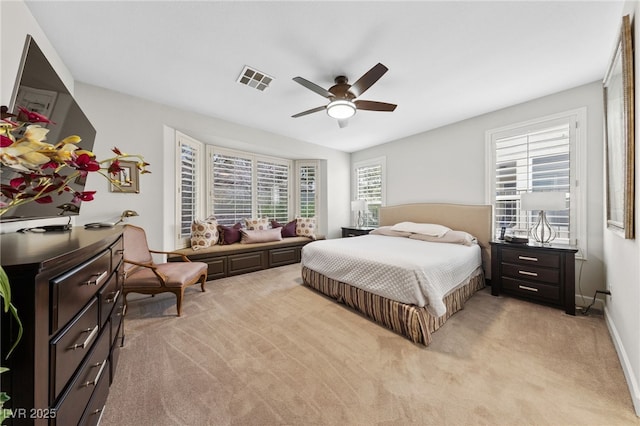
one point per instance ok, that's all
(67, 288)
(544, 274)
(354, 231)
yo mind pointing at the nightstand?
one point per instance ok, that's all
(354, 231)
(543, 274)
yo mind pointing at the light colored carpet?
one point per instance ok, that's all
(262, 349)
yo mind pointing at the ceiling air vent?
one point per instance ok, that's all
(254, 78)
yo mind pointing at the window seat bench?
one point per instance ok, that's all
(237, 258)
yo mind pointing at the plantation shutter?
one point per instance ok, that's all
(307, 196)
(369, 188)
(188, 187)
(232, 188)
(535, 160)
(272, 180)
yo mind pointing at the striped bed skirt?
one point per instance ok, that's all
(411, 321)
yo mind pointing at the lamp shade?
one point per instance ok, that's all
(543, 201)
(358, 205)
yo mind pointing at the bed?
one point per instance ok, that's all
(379, 277)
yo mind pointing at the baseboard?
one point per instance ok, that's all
(627, 367)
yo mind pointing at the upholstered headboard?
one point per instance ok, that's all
(474, 219)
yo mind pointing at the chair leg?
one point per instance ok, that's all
(179, 293)
(202, 281)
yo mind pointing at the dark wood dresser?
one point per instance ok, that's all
(544, 274)
(66, 287)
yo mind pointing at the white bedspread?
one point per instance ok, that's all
(409, 271)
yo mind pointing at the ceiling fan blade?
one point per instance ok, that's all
(313, 87)
(367, 80)
(343, 123)
(309, 111)
(375, 106)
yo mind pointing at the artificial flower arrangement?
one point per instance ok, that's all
(40, 169)
(43, 167)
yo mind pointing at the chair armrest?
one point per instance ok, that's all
(184, 257)
(153, 268)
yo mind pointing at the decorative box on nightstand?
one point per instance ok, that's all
(544, 274)
(354, 231)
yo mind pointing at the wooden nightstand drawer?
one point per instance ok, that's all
(532, 289)
(531, 257)
(544, 274)
(530, 272)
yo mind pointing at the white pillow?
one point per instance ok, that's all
(432, 229)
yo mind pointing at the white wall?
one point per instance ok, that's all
(448, 165)
(622, 259)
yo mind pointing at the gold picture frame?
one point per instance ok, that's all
(128, 179)
(619, 135)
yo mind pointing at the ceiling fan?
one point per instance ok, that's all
(343, 96)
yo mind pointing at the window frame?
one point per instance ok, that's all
(182, 139)
(378, 161)
(577, 119)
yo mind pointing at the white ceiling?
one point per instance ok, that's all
(447, 61)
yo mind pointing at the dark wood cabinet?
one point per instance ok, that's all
(67, 288)
(354, 231)
(544, 274)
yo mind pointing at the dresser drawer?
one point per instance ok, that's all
(116, 318)
(72, 290)
(531, 272)
(550, 293)
(531, 257)
(72, 345)
(72, 404)
(108, 296)
(93, 413)
(117, 253)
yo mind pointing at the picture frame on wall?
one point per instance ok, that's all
(128, 179)
(618, 86)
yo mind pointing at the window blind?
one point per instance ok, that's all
(188, 188)
(533, 161)
(232, 188)
(307, 196)
(272, 180)
(369, 188)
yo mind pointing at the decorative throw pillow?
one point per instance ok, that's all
(230, 234)
(432, 229)
(260, 235)
(204, 233)
(306, 227)
(253, 224)
(452, 237)
(288, 230)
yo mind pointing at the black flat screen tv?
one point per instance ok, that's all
(39, 88)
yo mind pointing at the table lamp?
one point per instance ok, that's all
(358, 206)
(542, 231)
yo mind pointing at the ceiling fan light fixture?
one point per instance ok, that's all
(341, 109)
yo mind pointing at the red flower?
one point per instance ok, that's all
(32, 116)
(5, 141)
(85, 162)
(83, 196)
(114, 168)
(116, 151)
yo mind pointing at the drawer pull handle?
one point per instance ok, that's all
(524, 287)
(96, 278)
(93, 331)
(531, 259)
(95, 381)
(531, 274)
(120, 252)
(114, 298)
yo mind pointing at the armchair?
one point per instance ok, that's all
(144, 276)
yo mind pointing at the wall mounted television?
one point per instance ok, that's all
(39, 88)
